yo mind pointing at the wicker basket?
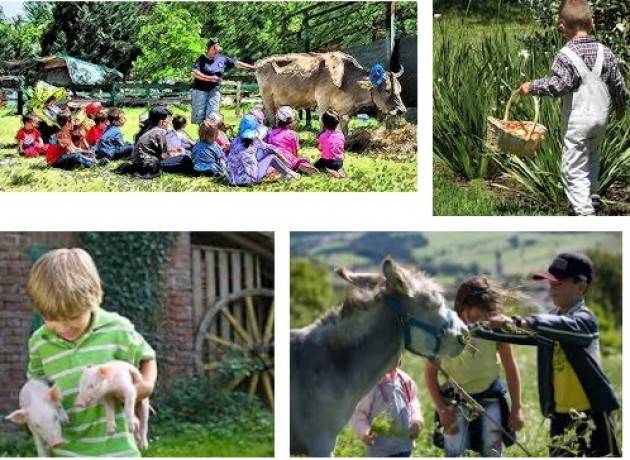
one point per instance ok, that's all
(521, 138)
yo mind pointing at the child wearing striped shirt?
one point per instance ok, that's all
(64, 287)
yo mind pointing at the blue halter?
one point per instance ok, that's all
(407, 322)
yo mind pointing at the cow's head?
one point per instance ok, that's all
(386, 92)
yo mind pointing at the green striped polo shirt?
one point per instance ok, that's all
(109, 337)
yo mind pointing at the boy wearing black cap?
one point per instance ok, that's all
(570, 377)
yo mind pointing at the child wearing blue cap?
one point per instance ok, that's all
(250, 158)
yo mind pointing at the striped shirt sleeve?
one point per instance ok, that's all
(138, 349)
(35, 368)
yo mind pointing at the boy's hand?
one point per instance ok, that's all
(368, 438)
(516, 419)
(524, 89)
(143, 387)
(414, 429)
(498, 321)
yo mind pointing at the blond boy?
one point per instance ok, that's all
(65, 289)
(587, 77)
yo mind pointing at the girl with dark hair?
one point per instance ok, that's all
(477, 371)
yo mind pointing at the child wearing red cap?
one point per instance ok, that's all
(91, 110)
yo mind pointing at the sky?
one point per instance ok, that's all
(12, 9)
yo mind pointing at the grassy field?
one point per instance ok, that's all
(535, 433)
(366, 172)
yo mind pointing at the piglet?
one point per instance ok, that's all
(41, 410)
(110, 382)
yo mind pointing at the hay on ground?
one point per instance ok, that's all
(398, 144)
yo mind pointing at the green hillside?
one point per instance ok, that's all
(449, 255)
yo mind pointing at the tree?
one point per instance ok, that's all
(605, 291)
(170, 40)
(19, 40)
(101, 32)
(311, 291)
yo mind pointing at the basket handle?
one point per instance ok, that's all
(513, 97)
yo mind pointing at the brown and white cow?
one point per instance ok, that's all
(326, 80)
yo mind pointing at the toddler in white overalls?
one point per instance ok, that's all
(587, 77)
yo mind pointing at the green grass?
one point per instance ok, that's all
(193, 441)
(452, 198)
(535, 433)
(366, 172)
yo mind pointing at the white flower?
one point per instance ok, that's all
(437, 16)
(439, 79)
(620, 27)
(524, 53)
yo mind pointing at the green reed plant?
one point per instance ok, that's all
(473, 79)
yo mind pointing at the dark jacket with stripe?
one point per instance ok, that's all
(577, 332)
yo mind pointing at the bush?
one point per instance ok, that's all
(612, 26)
(200, 401)
(17, 445)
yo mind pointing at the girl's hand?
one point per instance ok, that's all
(448, 419)
(414, 430)
(368, 438)
(516, 419)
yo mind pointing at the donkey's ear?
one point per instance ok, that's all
(360, 280)
(396, 277)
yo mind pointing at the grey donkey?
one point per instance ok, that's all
(336, 360)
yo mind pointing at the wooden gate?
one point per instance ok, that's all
(233, 311)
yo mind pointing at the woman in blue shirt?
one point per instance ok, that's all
(207, 73)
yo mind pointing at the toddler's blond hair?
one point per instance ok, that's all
(64, 283)
(576, 14)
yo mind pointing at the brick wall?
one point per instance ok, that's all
(15, 312)
(15, 320)
(177, 319)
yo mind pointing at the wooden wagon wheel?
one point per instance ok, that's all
(243, 321)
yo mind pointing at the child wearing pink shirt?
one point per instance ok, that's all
(395, 396)
(331, 143)
(222, 139)
(287, 141)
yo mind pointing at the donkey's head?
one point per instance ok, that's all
(430, 328)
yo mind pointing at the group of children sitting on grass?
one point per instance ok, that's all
(162, 144)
